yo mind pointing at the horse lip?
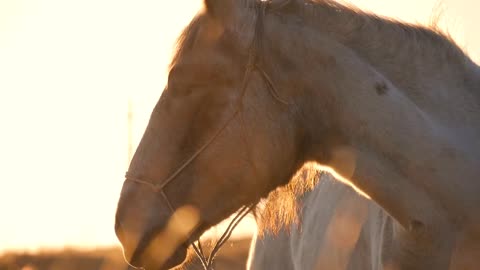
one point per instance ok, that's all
(177, 257)
(174, 260)
(182, 249)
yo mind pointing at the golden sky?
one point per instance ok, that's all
(67, 72)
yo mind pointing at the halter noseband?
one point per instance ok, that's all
(252, 65)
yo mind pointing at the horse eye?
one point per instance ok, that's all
(175, 73)
(184, 91)
(183, 88)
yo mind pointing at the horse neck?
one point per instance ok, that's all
(414, 58)
(426, 65)
(388, 44)
(423, 66)
(357, 82)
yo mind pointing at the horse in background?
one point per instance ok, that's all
(336, 228)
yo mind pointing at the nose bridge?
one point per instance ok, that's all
(157, 151)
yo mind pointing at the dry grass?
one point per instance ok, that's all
(233, 256)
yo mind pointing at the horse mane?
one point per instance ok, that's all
(325, 14)
(282, 206)
(186, 39)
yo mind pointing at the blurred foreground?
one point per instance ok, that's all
(232, 256)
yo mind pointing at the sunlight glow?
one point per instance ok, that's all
(178, 229)
(339, 177)
(68, 72)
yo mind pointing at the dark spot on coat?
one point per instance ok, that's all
(416, 227)
(381, 88)
(449, 153)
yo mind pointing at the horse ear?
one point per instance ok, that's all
(222, 10)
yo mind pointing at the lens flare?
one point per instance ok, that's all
(179, 227)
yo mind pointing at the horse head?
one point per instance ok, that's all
(219, 138)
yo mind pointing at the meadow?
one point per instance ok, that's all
(233, 256)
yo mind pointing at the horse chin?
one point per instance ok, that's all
(176, 259)
(150, 258)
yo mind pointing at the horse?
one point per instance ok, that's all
(258, 88)
(337, 229)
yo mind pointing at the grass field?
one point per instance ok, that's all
(233, 256)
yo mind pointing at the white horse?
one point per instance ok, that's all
(338, 229)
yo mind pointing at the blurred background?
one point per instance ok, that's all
(78, 80)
